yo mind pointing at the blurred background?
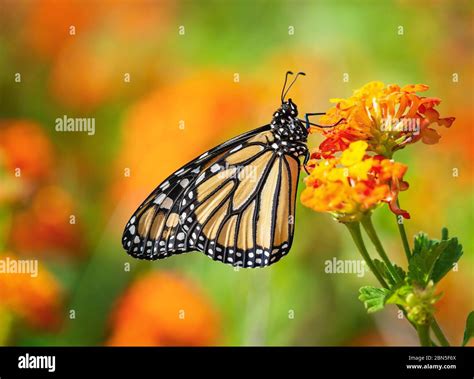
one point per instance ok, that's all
(167, 80)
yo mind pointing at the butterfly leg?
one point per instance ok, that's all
(309, 124)
(307, 156)
(306, 117)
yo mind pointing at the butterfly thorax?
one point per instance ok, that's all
(290, 133)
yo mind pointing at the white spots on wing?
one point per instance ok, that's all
(180, 236)
(204, 155)
(160, 198)
(259, 251)
(167, 203)
(251, 255)
(136, 240)
(165, 185)
(179, 172)
(258, 261)
(132, 229)
(215, 167)
(190, 195)
(196, 170)
(200, 178)
(184, 183)
(236, 148)
(132, 220)
(162, 243)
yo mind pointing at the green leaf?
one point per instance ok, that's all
(448, 257)
(384, 271)
(382, 268)
(401, 271)
(373, 298)
(469, 331)
(433, 259)
(444, 233)
(422, 243)
(424, 258)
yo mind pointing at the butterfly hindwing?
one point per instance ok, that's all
(256, 229)
(235, 203)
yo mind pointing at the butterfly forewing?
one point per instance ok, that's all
(235, 203)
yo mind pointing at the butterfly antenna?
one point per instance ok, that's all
(293, 82)
(284, 85)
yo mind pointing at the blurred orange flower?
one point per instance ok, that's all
(353, 184)
(165, 310)
(387, 118)
(93, 66)
(35, 299)
(46, 225)
(24, 146)
(48, 21)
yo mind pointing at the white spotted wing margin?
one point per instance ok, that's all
(235, 203)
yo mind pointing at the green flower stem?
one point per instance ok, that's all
(439, 333)
(424, 335)
(434, 324)
(403, 235)
(370, 230)
(354, 229)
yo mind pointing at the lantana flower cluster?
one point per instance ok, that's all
(352, 171)
(354, 183)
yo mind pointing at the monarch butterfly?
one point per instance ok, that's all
(235, 202)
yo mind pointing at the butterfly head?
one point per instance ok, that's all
(289, 109)
(286, 125)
